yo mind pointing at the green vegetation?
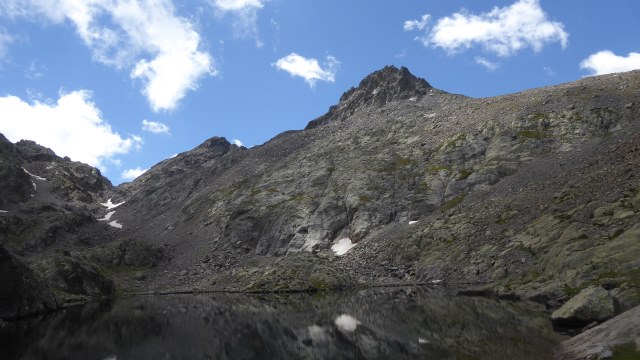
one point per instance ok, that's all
(532, 134)
(434, 169)
(626, 351)
(453, 202)
(364, 198)
(401, 162)
(464, 173)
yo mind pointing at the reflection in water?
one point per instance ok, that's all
(408, 323)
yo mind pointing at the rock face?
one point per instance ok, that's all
(533, 195)
(619, 337)
(22, 292)
(591, 304)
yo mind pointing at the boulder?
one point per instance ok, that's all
(22, 292)
(76, 278)
(591, 304)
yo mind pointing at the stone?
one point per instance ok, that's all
(22, 292)
(590, 304)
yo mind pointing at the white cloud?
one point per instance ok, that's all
(606, 62)
(73, 126)
(489, 65)
(155, 127)
(131, 174)
(417, 24)
(160, 48)
(309, 69)
(502, 31)
(245, 16)
(237, 142)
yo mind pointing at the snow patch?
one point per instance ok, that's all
(342, 246)
(317, 334)
(436, 281)
(109, 205)
(115, 224)
(412, 222)
(3, 211)
(35, 187)
(415, 98)
(422, 341)
(107, 217)
(347, 323)
(34, 176)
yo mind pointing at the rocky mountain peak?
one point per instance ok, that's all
(377, 89)
(386, 85)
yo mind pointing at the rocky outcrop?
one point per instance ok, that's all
(22, 292)
(618, 338)
(591, 304)
(376, 90)
(75, 279)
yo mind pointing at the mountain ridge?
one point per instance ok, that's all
(532, 195)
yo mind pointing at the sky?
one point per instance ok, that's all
(124, 84)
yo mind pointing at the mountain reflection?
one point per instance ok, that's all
(407, 323)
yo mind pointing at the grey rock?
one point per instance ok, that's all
(591, 304)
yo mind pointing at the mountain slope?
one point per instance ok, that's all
(533, 195)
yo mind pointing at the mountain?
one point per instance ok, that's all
(534, 195)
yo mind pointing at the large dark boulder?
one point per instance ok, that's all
(22, 292)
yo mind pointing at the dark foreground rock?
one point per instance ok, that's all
(22, 292)
(591, 304)
(618, 338)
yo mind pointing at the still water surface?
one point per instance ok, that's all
(401, 323)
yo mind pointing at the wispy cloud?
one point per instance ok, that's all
(489, 65)
(245, 16)
(131, 174)
(73, 126)
(308, 68)
(161, 49)
(420, 25)
(155, 127)
(606, 62)
(501, 31)
(5, 41)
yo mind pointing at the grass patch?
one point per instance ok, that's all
(364, 198)
(453, 202)
(464, 173)
(626, 351)
(434, 169)
(401, 162)
(533, 134)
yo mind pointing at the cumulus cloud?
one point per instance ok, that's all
(606, 62)
(245, 16)
(155, 127)
(160, 48)
(502, 31)
(131, 174)
(237, 142)
(73, 126)
(489, 65)
(309, 69)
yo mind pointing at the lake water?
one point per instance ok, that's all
(399, 323)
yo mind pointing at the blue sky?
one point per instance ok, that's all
(124, 84)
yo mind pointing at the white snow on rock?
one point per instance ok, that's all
(35, 187)
(34, 176)
(347, 323)
(109, 205)
(107, 217)
(422, 341)
(436, 281)
(3, 211)
(342, 246)
(115, 224)
(412, 222)
(317, 334)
